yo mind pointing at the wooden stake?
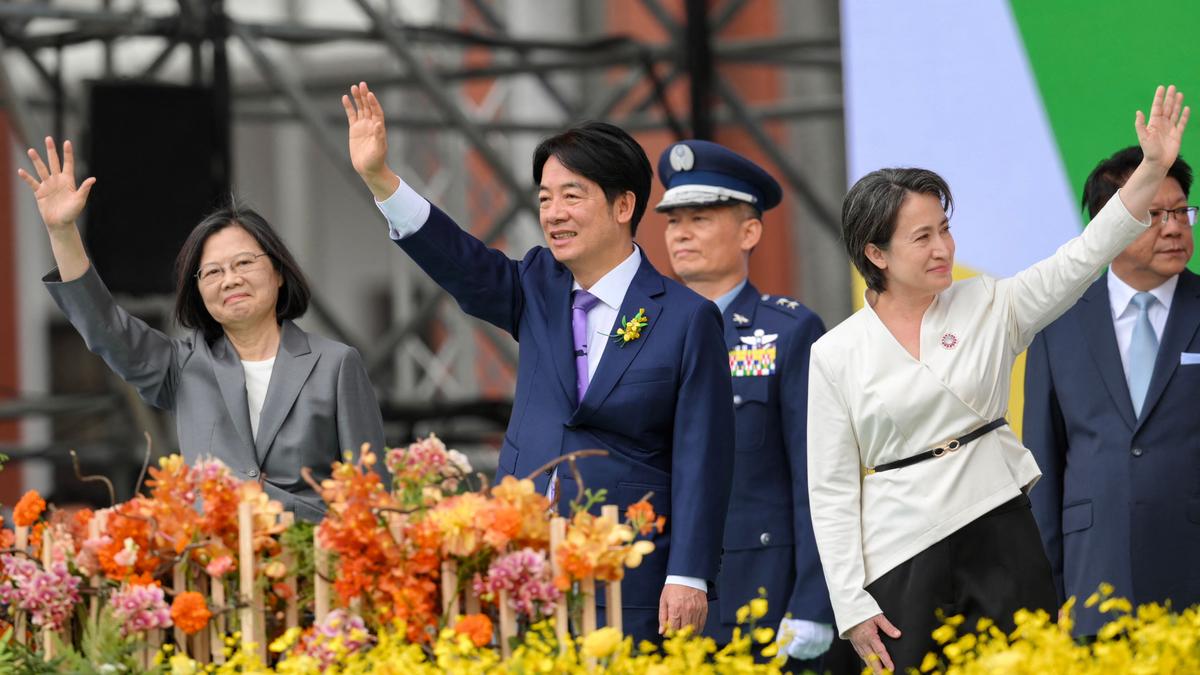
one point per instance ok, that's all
(200, 641)
(587, 592)
(47, 561)
(558, 534)
(450, 606)
(612, 589)
(22, 542)
(179, 584)
(94, 529)
(321, 589)
(219, 625)
(508, 623)
(249, 596)
(291, 614)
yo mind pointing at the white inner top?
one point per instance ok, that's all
(258, 378)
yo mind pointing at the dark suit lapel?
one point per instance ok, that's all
(1095, 315)
(557, 298)
(232, 380)
(1182, 322)
(293, 363)
(647, 284)
(739, 315)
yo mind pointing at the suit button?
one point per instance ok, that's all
(252, 473)
(737, 399)
(765, 538)
(1136, 452)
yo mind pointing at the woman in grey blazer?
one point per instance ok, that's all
(247, 386)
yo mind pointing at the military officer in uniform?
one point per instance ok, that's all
(714, 203)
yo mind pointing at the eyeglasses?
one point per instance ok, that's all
(1182, 214)
(242, 263)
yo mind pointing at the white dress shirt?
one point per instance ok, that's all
(1124, 312)
(258, 378)
(406, 211)
(871, 402)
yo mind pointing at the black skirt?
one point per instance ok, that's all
(991, 568)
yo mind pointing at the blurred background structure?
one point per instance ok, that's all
(176, 105)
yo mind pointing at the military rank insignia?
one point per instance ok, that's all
(754, 357)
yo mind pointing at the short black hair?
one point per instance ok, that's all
(1110, 174)
(870, 208)
(190, 311)
(604, 154)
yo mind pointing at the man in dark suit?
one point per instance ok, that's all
(1111, 392)
(714, 204)
(658, 403)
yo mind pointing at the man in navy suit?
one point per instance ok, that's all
(714, 203)
(659, 404)
(1111, 392)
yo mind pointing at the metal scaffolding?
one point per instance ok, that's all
(418, 367)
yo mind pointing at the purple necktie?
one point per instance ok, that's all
(581, 303)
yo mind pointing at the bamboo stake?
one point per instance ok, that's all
(508, 624)
(558, 534)
(450, 605)
(612, 589)
(321, 589)
(200, 641)
(95, 526)
(22, 536)
(154, 639)
(179, 584)
(587, 591)
(250, 597)
(47, 561)
(291, 613)
(217, 640)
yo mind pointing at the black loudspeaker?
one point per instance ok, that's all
(160, 155)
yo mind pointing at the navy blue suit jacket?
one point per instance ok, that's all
(1119, 498)
(660, 405)
(768, 533)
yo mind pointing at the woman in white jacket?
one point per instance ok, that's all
(917, 484)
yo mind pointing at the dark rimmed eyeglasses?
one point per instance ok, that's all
(1180, 215)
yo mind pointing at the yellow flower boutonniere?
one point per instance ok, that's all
(633, 328)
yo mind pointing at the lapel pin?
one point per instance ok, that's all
(739, 319)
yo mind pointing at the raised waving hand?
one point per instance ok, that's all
(368, 140)
(1160, 135)
(59, 200)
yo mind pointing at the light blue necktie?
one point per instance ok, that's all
(1143, 349)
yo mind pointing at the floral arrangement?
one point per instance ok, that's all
(204, 568)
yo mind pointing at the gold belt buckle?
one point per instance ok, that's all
(950, 446)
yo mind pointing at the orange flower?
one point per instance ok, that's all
(641, 518)
(475, 626)
(29, 509)
(190, 612)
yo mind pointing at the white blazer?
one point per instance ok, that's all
(870, 402)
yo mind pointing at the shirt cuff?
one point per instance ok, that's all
(691, 582)
(406, 211)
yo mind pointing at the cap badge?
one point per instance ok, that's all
(682, 158)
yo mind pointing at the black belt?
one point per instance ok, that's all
(951, 445)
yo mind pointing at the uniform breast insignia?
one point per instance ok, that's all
(755, 356)
(739, 319)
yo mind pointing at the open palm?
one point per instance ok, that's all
(1160, 135)
(59, 200)
(368, 133)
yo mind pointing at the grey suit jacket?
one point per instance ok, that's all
(319, 402)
